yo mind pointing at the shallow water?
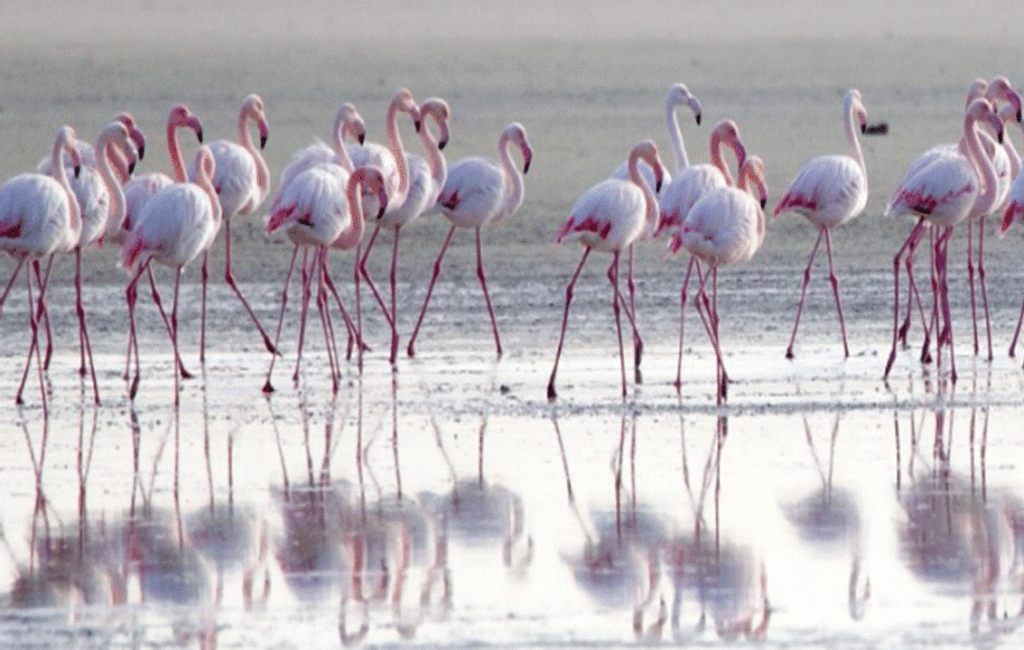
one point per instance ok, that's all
(450, 504)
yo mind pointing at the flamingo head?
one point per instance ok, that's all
(648, 152)
(116, 134)
(204, 164)
(67, 139)
(136, 134)
(853, 103)
(1000, 89)
(981, 110)
(679, 95)
(516, 133)
(252, 108)
(181, 116)
(438, 109)
(350, 122)
(403, 101)
(727, 132)
(372, 180)
(753, 172)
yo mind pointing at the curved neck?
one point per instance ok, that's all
(108, 152)
(853, 143)
(987, 197)
(177, 160)
(438, 164)
(118, 163)
(206, 184)
(675, 138)
(1011, 153)
(513, 178)
(651, 202)
(717, 160)
(340, 150)
(262, 170)
(60, 174)
(349, 237)
(398, 151)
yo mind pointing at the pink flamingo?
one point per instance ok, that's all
(610, 216)
(39, 216)
(947, 189)
(100, 199)
(393, 163)
(320, 206)
(830, 191)
(242, 181)
(726, 226)
(479, 191)
(175, 226)
(1013, 213)
(688, 186)
(426, 178)
(291, 195)
(120, 159)
(678, 95)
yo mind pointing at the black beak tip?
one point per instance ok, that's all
(131, 168)
(417, 124)
(863, 129)
(1019, 117)
(199, 135)
(263, 141)
(697, 117)
(526, 167)
(362, 138)
(764, 202)
(78, 169)
(442, 144)
(142, 152)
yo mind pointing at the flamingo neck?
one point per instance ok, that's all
(398, 151)
(513, 178)
(717, 160)
(119, 164)
(353, 234)
(108, 153)
(177, 160)
(438, 164)
(650, 201)
(1011, 153)
(205, 183)
(852, 141)
(675, 138)
(341, 156)
(983, 164)
(262, 170)
(60, 174)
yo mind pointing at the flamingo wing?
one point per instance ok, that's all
(829, 190)
(608, 216)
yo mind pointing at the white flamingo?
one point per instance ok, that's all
(479, 191)
(609, 217)
(830, 191)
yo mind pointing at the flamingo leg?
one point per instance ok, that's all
(682, 314)
(834, 281)
(613, 277)
(803, 292)
(307, 266)
(34, 315)
(83, 334)
(1016, 332)
(984, 284)
(552, 394)
(10, 283)
(394, 296)
(131, 297)
(174, 333)
(411, 349)
(204, 280)
(352, 332)
(46, 319)
(267, 386)
(325, 322)
(915, 235)
(931, 324)
(389, 317)
(229, 277)
(487, 296)
(970, 280)
(638, 343)
(185, 374)
(942, 249)
(710, 321)
(359, 310)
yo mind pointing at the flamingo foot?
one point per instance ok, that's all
(82, 371)
(789, 352)
(268, 388)
(552, 394)
(679, 386)
(410, 351)
(185, 374)
(134, 388)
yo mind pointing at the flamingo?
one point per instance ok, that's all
(946, 190)
(39, 216)
(479, 191)
(120, 160)
(426, 178)
(726, 226)
(998, 89)
(609, 217)
(686, 189)
(175, 226)
(678, 95)
(392, 162)
(100, 199)
(1013, 213)
(242, 181)
(347, 122)
(830, 191)
(319, 207)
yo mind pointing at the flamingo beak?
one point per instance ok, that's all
(264, 132)
(382, 198)
(361, 138)
(764, 202)
(527, 157)
(139, 138)
(131, 167)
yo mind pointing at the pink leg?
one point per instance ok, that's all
(914, 236)
(350, 326)
(970, 280)
(682, 314)
(35, 313)
(710, 321)
(325, 322)
(1016, 332)
(552, 394)
(411, 349)
(46, 321)
(803, 293)
(394, 297)
(942, 247)
(613, 277)
(984, 284)
(10, 283)
(229, 277)
(185, 374)
(487, 297)
(131, 297)
(834, 280)
(307, 267)
(638, 343)
(204, 279)
(83, 334)
(267, 386)
(365, 272)
(174, 333)
(359, 309)
(931, 324)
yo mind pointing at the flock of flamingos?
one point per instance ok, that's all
(83, 195)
